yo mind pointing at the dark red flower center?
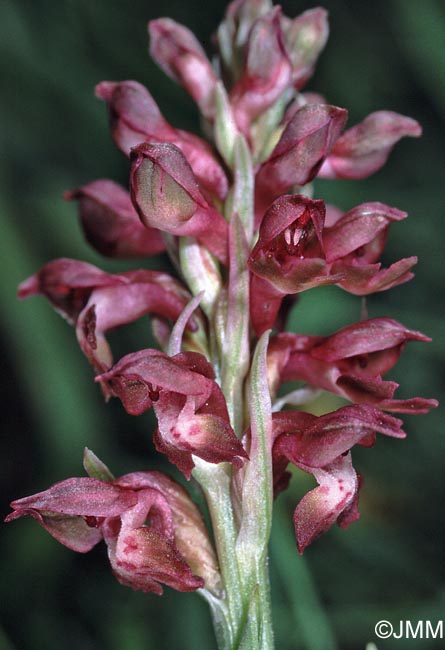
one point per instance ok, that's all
(153, 392)
(294, 239)
(93, 522)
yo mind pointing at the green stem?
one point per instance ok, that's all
(235, 354)
(242, 619)
(215, 482)
(256, 508)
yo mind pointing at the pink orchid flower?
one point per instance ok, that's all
(189, 405)
(295, 251)
(94, 301)
(153, 531)
(349, 363)
(320, 446)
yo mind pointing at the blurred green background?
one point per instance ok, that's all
(389, 565)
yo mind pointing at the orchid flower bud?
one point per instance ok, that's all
(301, 150)
(177, 51)
(234, 30)
(135, 118)
(304, 38)
(133, 114)
(166, 195)
(267, 72)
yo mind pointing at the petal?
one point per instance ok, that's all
(143, 558)
(73, 510)
(196, 426)
(211, 438)
(190, 533)
(144, 555)
(364, 149)
(71, 531)
(146, 292)
(359, 227)
(373, 335)
(319, 442)
(323, 506)
(380, 393)
(158, 369)
(374, 347)
(80, 496)
(67, 284)
(110, 222)
(364, 280)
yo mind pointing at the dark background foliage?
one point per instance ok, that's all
(385, 54)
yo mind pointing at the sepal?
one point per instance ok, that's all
(364, 149)
(111, 224)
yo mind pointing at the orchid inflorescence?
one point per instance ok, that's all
(237, 217)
